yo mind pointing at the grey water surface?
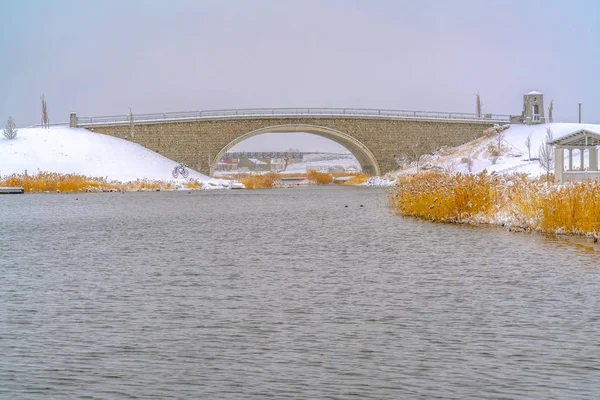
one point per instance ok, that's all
(303, 293)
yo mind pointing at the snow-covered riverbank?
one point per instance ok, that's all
(515, 155)
(78, 151)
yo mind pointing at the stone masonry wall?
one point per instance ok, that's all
(197, 143)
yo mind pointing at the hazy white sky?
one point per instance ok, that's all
(101, 57)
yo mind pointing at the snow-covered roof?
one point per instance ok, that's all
(579, 137)
(534, 92)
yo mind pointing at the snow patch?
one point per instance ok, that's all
(379, 181)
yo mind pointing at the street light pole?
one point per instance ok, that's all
(579, 112)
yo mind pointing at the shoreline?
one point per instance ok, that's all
(514, 202)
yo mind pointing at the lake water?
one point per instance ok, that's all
(304, 293)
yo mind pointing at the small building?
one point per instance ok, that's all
(254, 164)
(533, 108)
(579, 143)
(228, 164)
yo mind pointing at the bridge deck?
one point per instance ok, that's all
(286, 112)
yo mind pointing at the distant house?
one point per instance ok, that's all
(254, 164)
(278, 164)
(318, 168)
(228, 164)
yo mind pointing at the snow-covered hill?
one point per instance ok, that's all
(515, 155)
(79, 151)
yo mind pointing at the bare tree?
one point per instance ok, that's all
(547, 154)
(493, 153)
(468, 160)
(499, 138)
(414, 154)
(418, 151)
(450, 167)
(45, 119)
(478, 105)
(9, 131)
(131, 126)
(528, 145)
(551, 111)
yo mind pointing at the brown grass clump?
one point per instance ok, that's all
(54, 182)
(572, 209)
(446, 197)
(320, 178)
(259, 181)
(357, 179)
(194, 184)
(515, 200)
(68, 183)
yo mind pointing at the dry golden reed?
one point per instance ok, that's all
(320, 178)
(515, 200)
(259, 181)
(444, 197)
(55, 182)
(573, 209)
(194, 184)
(43, 182)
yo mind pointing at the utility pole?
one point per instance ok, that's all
(579, 112)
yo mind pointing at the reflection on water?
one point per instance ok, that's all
(285, 294)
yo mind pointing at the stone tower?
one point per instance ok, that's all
(533, 108)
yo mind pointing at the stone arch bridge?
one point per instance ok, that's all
(374, 137)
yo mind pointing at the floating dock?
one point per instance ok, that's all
(294, 180)
(12, 190)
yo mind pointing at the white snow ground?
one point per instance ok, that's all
(79, 151)
(514, 159)
(323, 161)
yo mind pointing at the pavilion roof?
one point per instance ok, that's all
(580, 137)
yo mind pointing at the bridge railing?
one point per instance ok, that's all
(254, 112)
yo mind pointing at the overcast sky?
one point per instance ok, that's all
(101, 57)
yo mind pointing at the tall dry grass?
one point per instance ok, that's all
(514, 200)
(572, 209)
(54, 182)
(259, 181)
(446, 197)
(320, 178)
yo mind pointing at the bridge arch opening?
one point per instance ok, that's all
(363, 155)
